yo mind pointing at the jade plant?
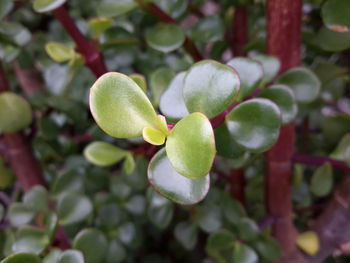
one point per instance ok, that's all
(160, 131)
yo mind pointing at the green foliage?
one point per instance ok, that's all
(335, 14)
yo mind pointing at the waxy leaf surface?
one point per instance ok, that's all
(190, 146)
(71, 256)
(336, 14)
(165, 37)
(255, 124)
(304, 83)
(153, 136)
(43, 6)
(271, 66)
(103, 154)
(172, 185)
(210, 87)
(244, 254)
(73, 208)
(59, 52)
(21, 258)
(284, 98)
(172, 102)
(250, 73)
(15, 112)
(120, 107)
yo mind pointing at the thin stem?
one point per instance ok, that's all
(93, 57)
(314, 160)
(239, 31)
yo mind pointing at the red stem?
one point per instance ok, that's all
(314, 160)
(239, 31)
(237, 185)
(93, 57)
(283, 41)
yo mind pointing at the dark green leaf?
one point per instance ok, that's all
(22, 258)
(247, 229)
(210, 87)
(37, 198)
(244, 254)
(71, 256)
(187, 234)
(31, 239)
(174, 186)
(255, 124)
(73, 208)
(335, 14)
(159, 82)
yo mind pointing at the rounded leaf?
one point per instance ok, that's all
(59, 52)
(167, 182)
(187, 234)
(210, 87)
(93, 244)
(244, 254)
(139, 80)
(271, 66)
(159, 82)
(255, 124)
(43, 6)
(332, 41)
(37, 198)
(190, 146)
(153, 136)
(165, 37)
(322, 180)
(99, 24)
(71, 256)
(73, 208)
(120, 107)
(20, 214)
(309, 242)
(304, 83)
(284, 98)
(5, 7)
(103, 154)
(30, 239)
(21, 258)
(15, 112)
(220, 240)
(335, 14)
(250, 74)
(111, 8)
(172, 102)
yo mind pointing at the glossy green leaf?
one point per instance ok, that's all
(70, 181)
(250, 74)
(247, 229)
(187, 234)
(103, 154)
(332, 41)
(140, 81)
(233, 210)
(210, 87)
(5, 7)
(136, 205)
(304, 83)
(190, 146)
(15, 112)
(15, 33)
(21, 258)
(129, 163)
(160, 210)
(335, 14)
(20, 214)
(222, 239)
(43, 6)
(51, 223)
(153, 136)
(71, 256)
(120, 107)
(322, 180)
(99, 25)
(53, 256)
(244, 254)
(284, 98)
(268, 248)
(271, 66)
(255, 124)
(159, 82)
(342, 151)
(209, 218)
(59, 52)
(225, 143)
(92, 243)
(209, 29)
(31, 239)
(165, 37)
(116, 253)
(166, 181)
(308, 242)
(37, 198)
(172, 102)
(73, 208)
(111, 8)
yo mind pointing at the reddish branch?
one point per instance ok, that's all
(29, 79)
(93, 58)
(284, 42)
(313, 160)
(239, 34)
(19, 152)
(153, 9)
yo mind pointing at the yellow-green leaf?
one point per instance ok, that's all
(153, 136)
(309, 242)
